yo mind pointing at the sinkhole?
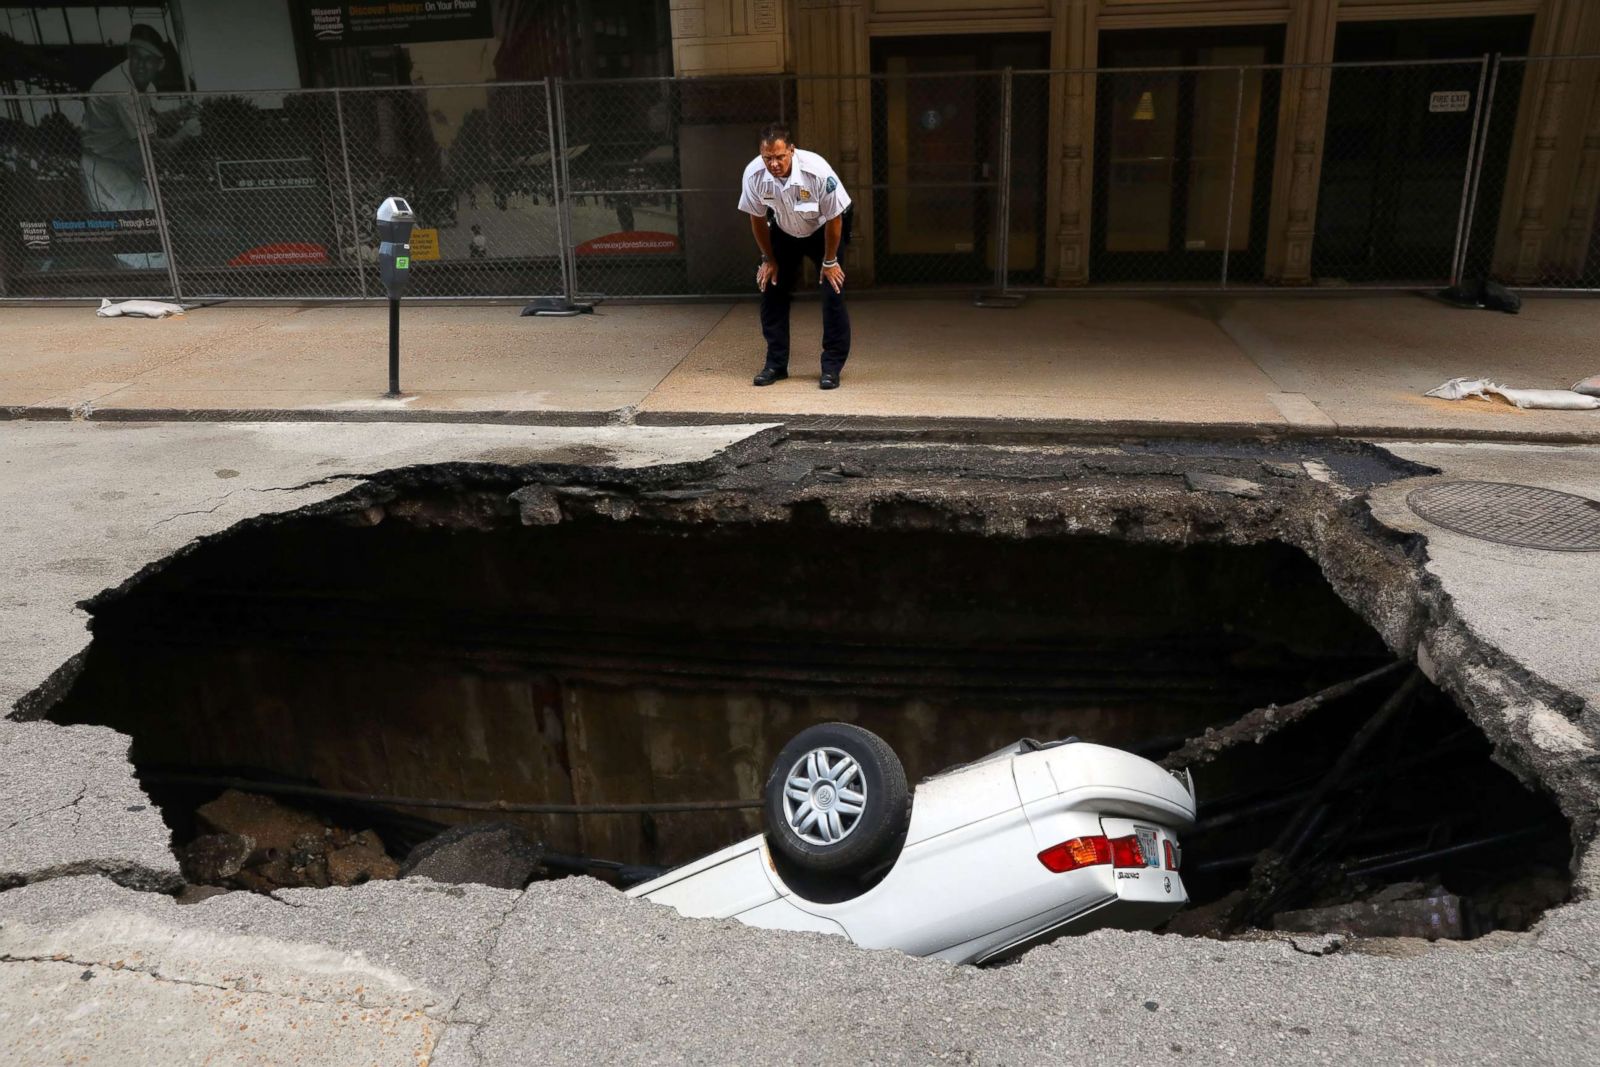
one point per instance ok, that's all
(373, 667)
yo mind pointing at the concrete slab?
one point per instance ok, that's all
(571, 972)
(1091, 361)
(1532, 605)
(85, 506)
(71, 806)
(92, 974)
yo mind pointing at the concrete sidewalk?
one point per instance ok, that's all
(1307, 364)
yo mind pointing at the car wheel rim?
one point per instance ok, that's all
(824, 795)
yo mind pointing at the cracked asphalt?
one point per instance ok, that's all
(99, 964)
(571, 972)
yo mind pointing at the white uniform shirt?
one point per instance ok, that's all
(110, 124)
(809, 197)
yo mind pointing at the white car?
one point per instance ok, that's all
(1026, 844)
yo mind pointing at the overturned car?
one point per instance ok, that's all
(985, 860)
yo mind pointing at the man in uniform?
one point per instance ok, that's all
(797, 209)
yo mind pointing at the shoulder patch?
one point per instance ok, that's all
(830, 185)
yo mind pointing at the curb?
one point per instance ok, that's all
(815, 425)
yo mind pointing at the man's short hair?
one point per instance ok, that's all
(773, 132)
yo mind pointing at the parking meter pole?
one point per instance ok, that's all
(394, 346)
(395, 220)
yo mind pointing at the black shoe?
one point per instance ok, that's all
(829, 380)
(769, 375)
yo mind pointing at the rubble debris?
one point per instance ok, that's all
(1201, 482)
(1435, 917)
(213, 858)
(1255, 726)
(273, 827)
(194, 894)
(362, 860)
(1403, 891)
(1519, 903)
(537, 506)
(494, 854)
(1204, 920)
(252, 842)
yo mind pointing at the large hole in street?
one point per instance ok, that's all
(662, 661)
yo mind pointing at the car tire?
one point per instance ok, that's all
(837, 800)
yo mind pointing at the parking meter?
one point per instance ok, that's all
(395, 220)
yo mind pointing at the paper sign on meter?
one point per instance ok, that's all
(425, 244)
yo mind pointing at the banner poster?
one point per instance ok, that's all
(74, 194)
(395, 21)
(114, 232)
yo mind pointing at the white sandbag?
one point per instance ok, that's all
(1484, 389)
(1558, 399)
(1460, 388)
(139, 309)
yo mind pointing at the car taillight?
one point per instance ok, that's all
(1172, 856)
(1079, 852)
(1125, 852)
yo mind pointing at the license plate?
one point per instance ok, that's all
(1148, 846)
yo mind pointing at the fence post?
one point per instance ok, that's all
(1002, 259)
(1233, 178)
(1477, 148)
(350, 194)
(553, 106)
(147, 154)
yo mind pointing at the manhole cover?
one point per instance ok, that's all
(1522, 515)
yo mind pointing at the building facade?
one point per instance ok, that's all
(1050, 143)
(1327, 174)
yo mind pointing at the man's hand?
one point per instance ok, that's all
(766, 274)
(834, 276)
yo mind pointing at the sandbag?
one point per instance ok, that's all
(138, 309)
(1483, 389)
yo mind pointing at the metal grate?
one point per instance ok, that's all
(1522, 515)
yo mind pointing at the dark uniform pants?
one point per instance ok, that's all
(789, 253)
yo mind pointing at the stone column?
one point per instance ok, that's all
(835, 113)
(1529, 216)
(1074, 46)
(1532, 227)
(1302, 121)
(1580, 224)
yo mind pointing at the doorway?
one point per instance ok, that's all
(1183, 159)
(937, 123)
(1397, 147)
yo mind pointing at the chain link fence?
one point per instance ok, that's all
(1540, 149)
(652, 179)
(1398, 153)
(1183, 174)
(1401, 175)
(78, 211)
(938, 177)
